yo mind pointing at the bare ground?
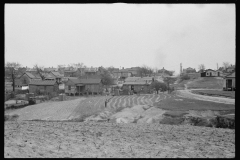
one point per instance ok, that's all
(39, 139)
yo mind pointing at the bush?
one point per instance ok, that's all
(11, 117)
(185, 77)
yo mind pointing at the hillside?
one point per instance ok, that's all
(206, 83)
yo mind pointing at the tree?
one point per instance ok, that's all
(226, 65)
(110, 69)
(11, 71)
(158, 86)
(201, 67)
(168, 81)
(145, 71)
(40, 71)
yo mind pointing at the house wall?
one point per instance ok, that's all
(225, 82)
(93, 87)
(146, 88)
(49, 89)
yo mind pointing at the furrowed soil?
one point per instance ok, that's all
(40, 139)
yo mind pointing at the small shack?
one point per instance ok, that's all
(43, 87)
(229, 82)
(211, 73)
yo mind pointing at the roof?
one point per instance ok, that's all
(57, 74)
(90, 81)
(131, 79)
(50, 69)
(208, 70)
(32, 76)
(42, 83)
(231, 75)
(85, 81)
(136, 83)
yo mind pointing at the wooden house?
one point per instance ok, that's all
(44, 87)
(229, 82)
(138, 84)
(83, 86)
(211, 73)
(55, 76)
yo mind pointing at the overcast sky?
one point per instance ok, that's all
(126, 35)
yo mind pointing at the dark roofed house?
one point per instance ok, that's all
(211, 73)
(44, 87)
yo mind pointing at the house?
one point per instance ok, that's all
(229, 82)
(164, 72)
(211, 73)
(138, 84)
(230, 69)
(189, 70)
(82, 86)
(44, 87)
(53, 75)
(50, 69)
(27, 77)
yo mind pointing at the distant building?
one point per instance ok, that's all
(211, 73)
(189, 70)
(44, 87)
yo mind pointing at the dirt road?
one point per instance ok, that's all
(187, 93)
(36, 139)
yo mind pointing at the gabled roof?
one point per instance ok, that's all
(31, 75)
(42, 83)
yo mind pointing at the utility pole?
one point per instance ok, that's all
(217, 66)
(180, 68)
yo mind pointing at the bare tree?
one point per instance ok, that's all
(226, 65)
(40, 71)
(11, 71)
(201, 67)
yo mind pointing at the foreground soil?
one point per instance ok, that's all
(39, 139)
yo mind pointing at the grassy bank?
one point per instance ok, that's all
(229, 94)
(206, 82)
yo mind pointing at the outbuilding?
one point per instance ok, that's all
(44, 87)
(229, 82)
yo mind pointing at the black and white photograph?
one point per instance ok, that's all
(119, 80)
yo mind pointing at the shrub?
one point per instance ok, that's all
(185, 77)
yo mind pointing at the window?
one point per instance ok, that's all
(69, 87)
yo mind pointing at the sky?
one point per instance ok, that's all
(121, 35)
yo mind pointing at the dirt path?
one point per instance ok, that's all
(187, 93)
(77, 140)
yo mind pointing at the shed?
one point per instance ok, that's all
(229, 82)
(43, 86)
